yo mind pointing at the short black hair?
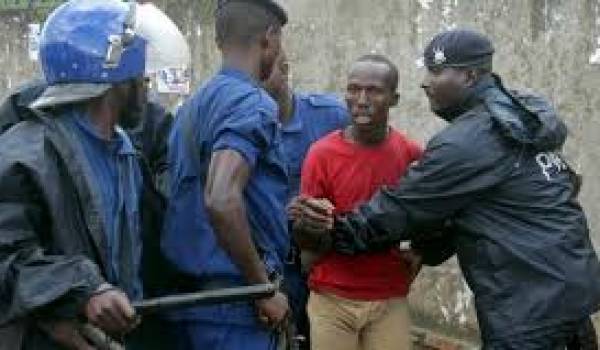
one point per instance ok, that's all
(393, 70)
(242, 22)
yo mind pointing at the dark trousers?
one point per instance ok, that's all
(568, 336)
(296, 289)
(150, 335)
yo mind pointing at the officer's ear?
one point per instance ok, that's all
(271, 37)
(471, 76)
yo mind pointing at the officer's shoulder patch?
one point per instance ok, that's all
(324, 100)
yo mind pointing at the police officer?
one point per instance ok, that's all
(71, 183)
(496, 172)
(226, 221)
(305, 118)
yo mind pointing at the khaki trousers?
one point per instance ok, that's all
(342, 324)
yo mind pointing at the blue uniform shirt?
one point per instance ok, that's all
(114, 167)
(315, 115)
(229, 112)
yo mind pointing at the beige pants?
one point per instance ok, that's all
(343, 324)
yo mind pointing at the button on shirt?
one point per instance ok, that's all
(230, 112)
(117, 183)
(314, 116)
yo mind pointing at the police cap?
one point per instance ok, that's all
(458, 48)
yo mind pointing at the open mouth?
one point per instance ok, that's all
(362, 119)
(363, 116)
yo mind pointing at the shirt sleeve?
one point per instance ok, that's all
(32, 279)
(249, 133)
(313, 181)
(448, 178)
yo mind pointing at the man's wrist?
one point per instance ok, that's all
(103, 288)
(325, 241)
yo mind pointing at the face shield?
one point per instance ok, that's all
(166, 51)
(166, 47)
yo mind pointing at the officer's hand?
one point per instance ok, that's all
(312, 214)
(110, 310)
(413, 261)
(294, 208)
(66, 334)
(273, 311)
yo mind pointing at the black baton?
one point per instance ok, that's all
(208, 297)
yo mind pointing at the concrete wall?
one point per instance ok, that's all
(541, 44)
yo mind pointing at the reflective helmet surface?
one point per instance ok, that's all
(92, 41)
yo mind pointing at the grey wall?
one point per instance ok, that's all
(541, 44)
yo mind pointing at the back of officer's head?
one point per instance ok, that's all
(243, 23)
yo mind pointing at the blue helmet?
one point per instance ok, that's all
(92, 41)
(86, 46)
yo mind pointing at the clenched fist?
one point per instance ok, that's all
(273, 311)
(110, 310)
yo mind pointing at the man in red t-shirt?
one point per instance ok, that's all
(359, 302)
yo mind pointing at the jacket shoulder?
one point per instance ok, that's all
(23, 143)
(472, 126)
(323, 100)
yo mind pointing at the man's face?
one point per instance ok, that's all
(369, 95)
(277, 84)
(445, 87)
(133, 95)
(271, 49)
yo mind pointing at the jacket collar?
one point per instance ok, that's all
(65, 142)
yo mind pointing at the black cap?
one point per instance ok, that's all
(270, 5)
(458, 48)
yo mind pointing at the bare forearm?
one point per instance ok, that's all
(233, 233)
(227, 179)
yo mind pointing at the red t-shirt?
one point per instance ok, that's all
(348, 174)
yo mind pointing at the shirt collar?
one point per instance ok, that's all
(120, 142)
(237, 73)
(295, 124)
(126, 148)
